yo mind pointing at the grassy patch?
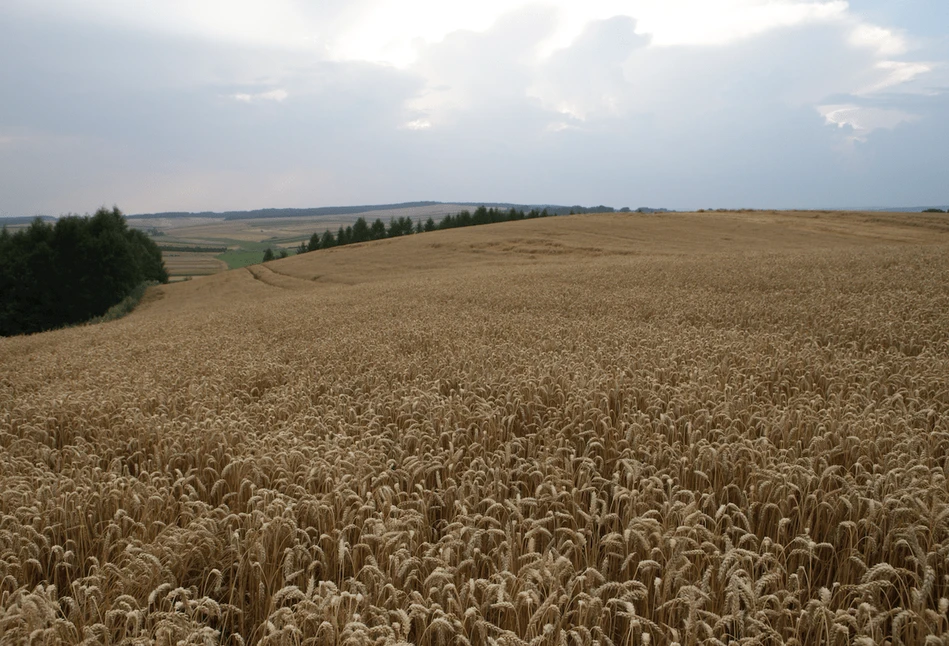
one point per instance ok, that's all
(125, 306)
(240, 258)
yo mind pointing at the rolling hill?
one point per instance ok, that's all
(616, 428)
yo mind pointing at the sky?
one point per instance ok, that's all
(195, 105)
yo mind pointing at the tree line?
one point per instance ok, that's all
(191, 249)
(363, 231)
(350, 210)
(52, 275)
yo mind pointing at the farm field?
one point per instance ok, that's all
(275, 229)
(192, 264)
(246, 240)
(602, 429)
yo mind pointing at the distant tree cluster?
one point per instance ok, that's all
(270, 255)
(362, 231)
(934, 211)
(59, 274)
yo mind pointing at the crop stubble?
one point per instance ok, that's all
(599, 448)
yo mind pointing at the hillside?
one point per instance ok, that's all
(200, 244)
(699, 428)
(572, 239)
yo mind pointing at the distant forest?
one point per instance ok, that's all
(351, 210)
(52, 275)
(284, 213)
(362, 231)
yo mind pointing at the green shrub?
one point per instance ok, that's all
(126, 305)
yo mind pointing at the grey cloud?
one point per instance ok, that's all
(150, 121)
(110, 110)
(477, 71)
(588, 77)
(697, 127)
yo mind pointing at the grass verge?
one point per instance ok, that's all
(125, 306)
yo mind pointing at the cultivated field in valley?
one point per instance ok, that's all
(210, 230)
(246, 240)
(183, 263)
(620, 429)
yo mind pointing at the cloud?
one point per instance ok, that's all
(10, 140)
(282, 24)
(588, 77)
(884, 41)
(396, 33)
(679, 104)
(271, 95)
(418, 124)
(698, 22)
(863, 120)
(896, 73)
(481, 72)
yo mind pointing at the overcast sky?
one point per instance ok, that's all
(160, 105)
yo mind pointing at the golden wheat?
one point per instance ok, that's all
(601, 449)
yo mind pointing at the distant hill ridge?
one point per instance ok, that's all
(557, 209)
(911, 209)
(25, 219)
(283, 213)
(257, 214)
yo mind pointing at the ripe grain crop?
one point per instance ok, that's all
(509, 437)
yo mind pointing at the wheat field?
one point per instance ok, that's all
(622, 429)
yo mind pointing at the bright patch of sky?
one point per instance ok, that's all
(213, 104)
(862, 121)
(921, 18)
(272, 95)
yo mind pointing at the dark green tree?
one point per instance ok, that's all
(62, 274)
(378, 230)
(327, 240)
(314, 242)
(360, 230)
(268, 255)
